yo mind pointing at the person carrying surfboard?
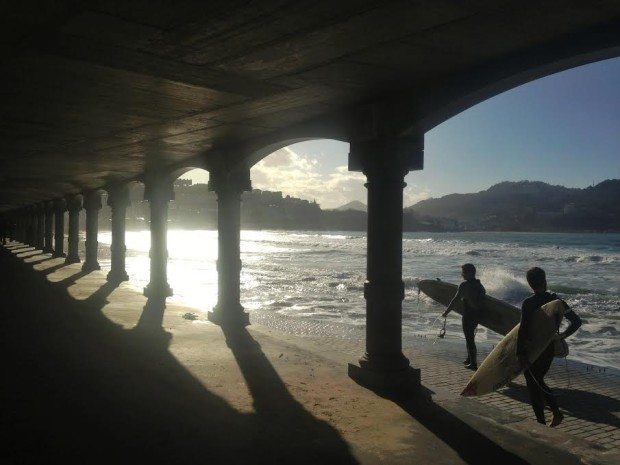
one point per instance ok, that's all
(540, 393)
(471, 292)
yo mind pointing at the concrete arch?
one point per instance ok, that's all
(261, 148)
(179, 171)
(446, 99)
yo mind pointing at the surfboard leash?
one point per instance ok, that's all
(442, 331)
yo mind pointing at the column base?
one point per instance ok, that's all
(234, 317)
(401, 382)
(58, 255)
(72, 259)
(157, 292)
(48, 250)
(117, 276)
(89, 266)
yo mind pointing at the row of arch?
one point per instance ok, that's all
(385, 163)
(386, 142)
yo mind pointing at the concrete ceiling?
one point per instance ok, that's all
(93, 92)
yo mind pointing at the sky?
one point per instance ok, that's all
(562, 129)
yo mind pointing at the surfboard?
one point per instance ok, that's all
(496, 315)
(502, 365)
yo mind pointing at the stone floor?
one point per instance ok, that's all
(84, 382)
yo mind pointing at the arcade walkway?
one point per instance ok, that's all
(84, 382)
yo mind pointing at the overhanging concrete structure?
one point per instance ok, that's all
(92, 95)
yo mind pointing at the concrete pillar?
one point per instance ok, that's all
(40, 226)
(158, 191)
(25, 226)
(229, 185)
(33, 227)
(49, 225)
(19, 227)
(118, 200)
(92, 205)
(385, 163)
(74, 206)
(60, 206)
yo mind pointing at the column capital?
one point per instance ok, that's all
(230, 180)
(118, 195)
(49, 206)
(384, 155)
(158, 185)
(92, 200)
(74, 203)
(60, 205)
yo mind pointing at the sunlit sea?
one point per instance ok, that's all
(310, 283)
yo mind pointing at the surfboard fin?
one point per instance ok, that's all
(470, 390)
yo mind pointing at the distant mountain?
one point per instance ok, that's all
(354, 205)
(530, 206)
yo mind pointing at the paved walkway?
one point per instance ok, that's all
(588, 395)
(84, 381)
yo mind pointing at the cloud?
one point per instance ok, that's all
(303, 177)
(413, 194)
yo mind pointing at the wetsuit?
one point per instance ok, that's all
(540, 393)
(472, 293)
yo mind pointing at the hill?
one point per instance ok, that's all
(530, 206)
(354, 205)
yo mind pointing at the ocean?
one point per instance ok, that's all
(311, 283)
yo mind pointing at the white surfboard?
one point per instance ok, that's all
(502, 366)
(497, 315)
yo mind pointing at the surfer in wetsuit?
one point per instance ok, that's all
(471, 292)
(540, 393)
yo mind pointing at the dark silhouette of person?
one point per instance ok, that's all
(471, 292)
(540, 393)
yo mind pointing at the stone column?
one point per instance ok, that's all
(92, 205)
(229, 185)
(31, 226)
(60, 206)
(49, 225)
(118, 200)
(40, 228)
(22, 227)
(74, 206)
(385, 163)
(19, 227)
(158, 191)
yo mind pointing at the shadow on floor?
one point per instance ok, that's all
(274, 404)
(471, 445)
(589, 406)
(79, 388)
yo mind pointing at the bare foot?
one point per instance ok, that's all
(557, 419)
